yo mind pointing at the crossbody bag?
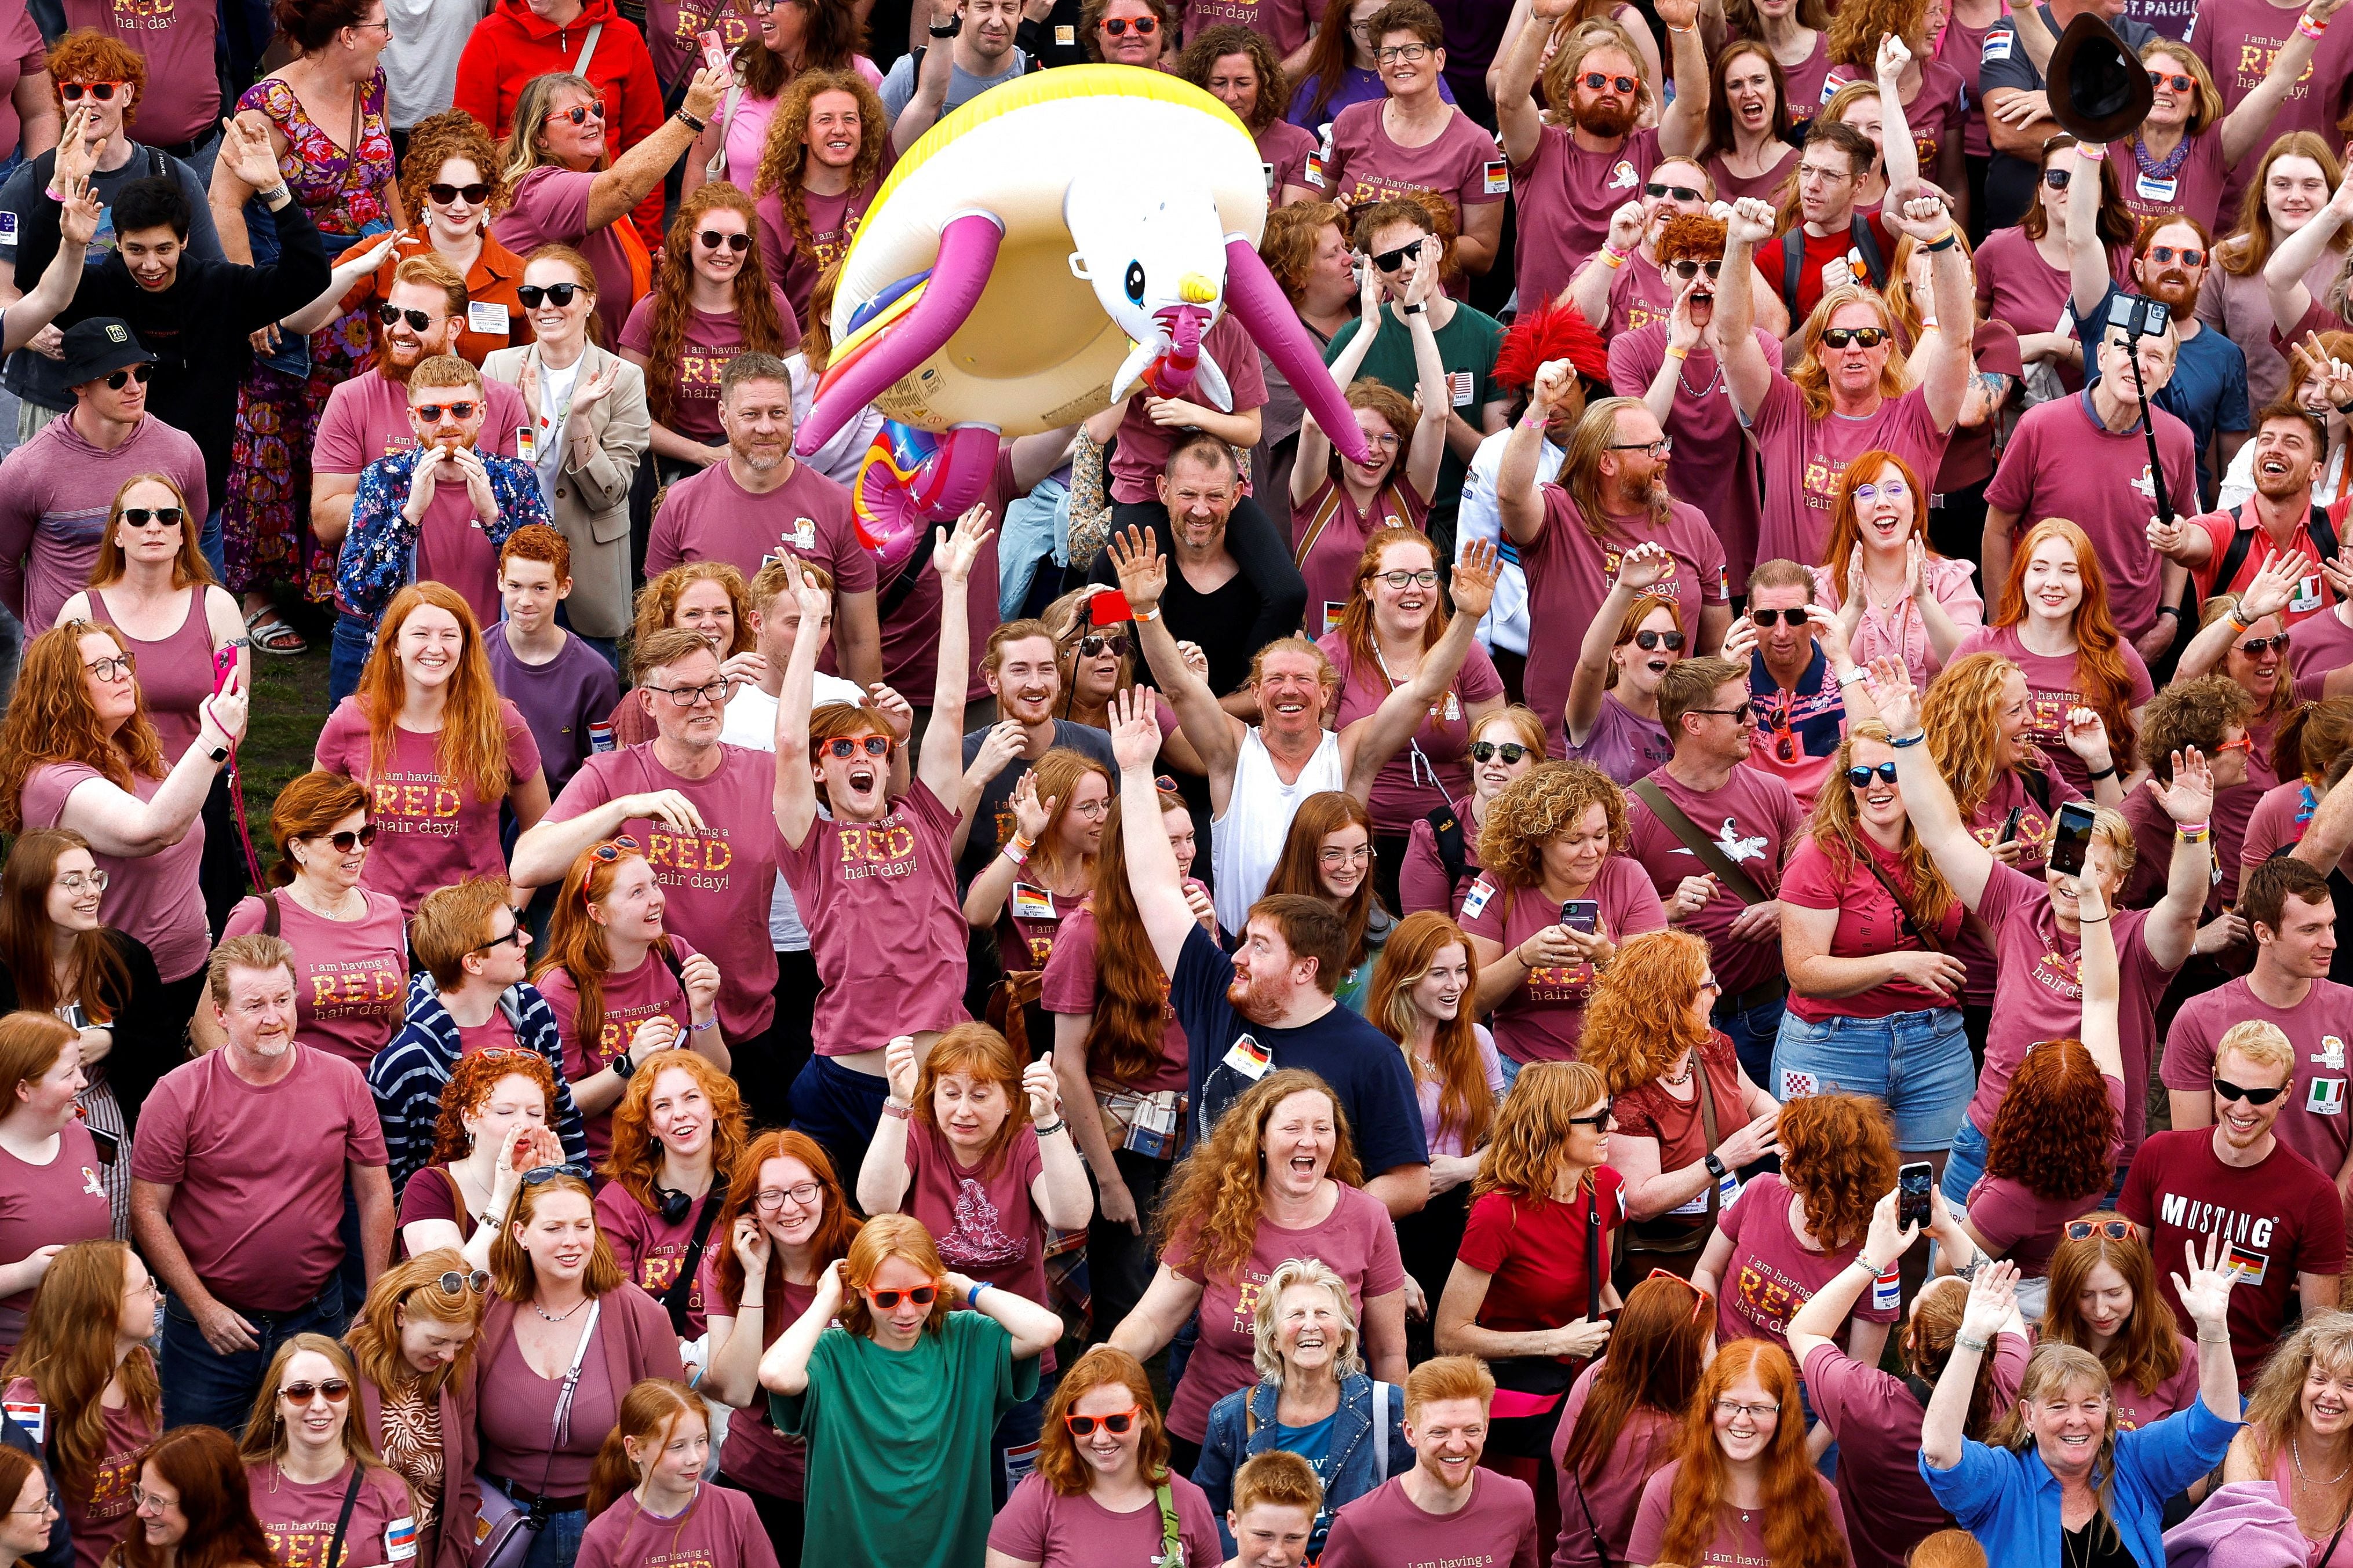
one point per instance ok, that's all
(505, 1530)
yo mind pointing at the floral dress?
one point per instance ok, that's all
(265, 517)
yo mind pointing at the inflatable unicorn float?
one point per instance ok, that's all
(1040, 255)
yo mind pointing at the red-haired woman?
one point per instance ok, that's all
(2053, 623)
(1103, 1491)
(77, 751)
(1619, 1425)
(621, 987)
(151, 584)
(2103, 1299)
(1441, 857)
(818, 169)
(784, 1224)
(436, 746)
(711, 301)
(1740, 1486)
(498, 1121)
(1395, 615)
(194, 1506)
(449, 177)
(47, 1158)
(1636, 636)
(85, 1356)
(1059, 809)
(33, 1531)
(413, 1347)
(1893, 594)
(1327, 854)
(709, 598)
(896, 1398)
(676, 1134)
(1687, 1116)
(646, 1494)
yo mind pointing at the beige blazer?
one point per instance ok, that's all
(592, 503)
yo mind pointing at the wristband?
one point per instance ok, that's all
(1611, 259)
(1952, 238)
(954, 25)
(2310, 27)
(2092, 152)
(972, 1297)
(710, 1023)
(2345, 408)
(1534, 419)
(2239, 623)
(1966, 1344)
(1017, 852)
(892, 1108)
(1057, 1125)
(2092, 920)
(2193, 829)
(1900, 741)
(1674, 352)
(2173, 610)
(1151, 615)
(2108, 773)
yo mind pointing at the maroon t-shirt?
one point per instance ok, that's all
(366, 418)
(549, 205)
(300, 1518)
(2025, 1226)
(1609, 1491)
(984, 1217)
(2238, 40)
(2313, 1120)
(2052, 686)
(103, 1515)
(650, 1250)
(1403, 792)
(1544, 1016)
(710, 340)
(1737, 1542)
(60, 1203)
(152, 898)
(1144, 447)
(1362, 165)
(1497, 1528)
(1069, 985)
(648, 991)
(1770, 1275)
(719, 1529)
(1566, 196)
(430, 831)
(1753, 816)
(755, 1453)
(2194, 188)
(710, 516)
(1805, 457)
(1711, 467)
(1039, 1524)
(354, 973)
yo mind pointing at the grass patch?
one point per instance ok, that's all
(288, 710)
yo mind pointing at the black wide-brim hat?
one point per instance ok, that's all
(2099, 89)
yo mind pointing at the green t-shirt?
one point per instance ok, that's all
(1468, 345)
(898, 1443)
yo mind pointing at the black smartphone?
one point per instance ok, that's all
(2010, 824)
(2071, 838)
(1581, 915)
(1912, 1192)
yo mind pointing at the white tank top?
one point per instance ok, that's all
(1246, 843)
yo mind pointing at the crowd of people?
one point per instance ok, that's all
(1245, 1006)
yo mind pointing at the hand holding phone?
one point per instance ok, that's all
(2071, 838)
(1581, 915)
(2010, 824)
(1912, 1183)
(714, 50)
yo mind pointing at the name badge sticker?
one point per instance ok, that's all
(1249, 1058)
(1498, 177)
(2307, 595)
(1459, 386)
(2326, 1096)
(8, 230)
(1268, 169)
(2247, 1264)
(32, 1415)
(1066, 35)
(400, 1541)
(1032, 903)
(486, 316)
(1332, 610)
(527, 444)
(2150, 187)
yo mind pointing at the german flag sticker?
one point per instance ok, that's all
(2249, 1265)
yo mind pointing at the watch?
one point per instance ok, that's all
(622, 1067)
(218, 753)
(1715, 1166)
(956, 26)
(1414, 310)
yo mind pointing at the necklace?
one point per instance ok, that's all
(1684, 1077)
(1714, 376)
(2297, 1453)
(559, 1317)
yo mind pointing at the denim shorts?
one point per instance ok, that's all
(1917, 1064)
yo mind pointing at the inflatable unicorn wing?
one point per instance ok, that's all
(1156, 258)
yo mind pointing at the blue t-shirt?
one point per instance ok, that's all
(2207, 391)
(1363, 1065)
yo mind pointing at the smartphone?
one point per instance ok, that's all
(224, 668)
(75, 1014)
(2010, 824)
(1108, 608)
(1912, 1192)
(714, 50)
(1581, 915)
(2071, 838)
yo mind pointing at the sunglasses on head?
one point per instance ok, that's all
(125, 376)
(2230, 1091)
(72, 91)
(1390, 261)
(2174, 80)
(531, 294)
(141, 516)
(2167, 255)
(348, 840)
(1094, 645)
(1487, 750)
(1145, 27)
(1687, 270)
(850, 746)
(2113, 1229)
(1796, 618)
(432, 412)
(1117, 1423)
(712, 240)
(1597, 80)
(2057, 178)
(1860, 776)
(475, 195)
(540, 1175)
(1861, 337)
(579, 113)
(613, 848)
(393, 315)
(1671, 641)
(921, 1296)
(1700, 1299)
(335, 1388)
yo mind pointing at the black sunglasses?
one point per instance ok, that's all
(1680, 193)
(1598, 1118)
(1144, 26)
(1485, 751)
(430, 412)
(1671, 641)
(124, 377)
(517, 936)
(1796, 618)
(346, 841)
(540, 1175)
(1740, 715)
(475, 195)
(713, 239)
(2230, 1091)
(1390, 261)
(2057, 178)
(1860, 776)
(1690, 269)
(530, 294)
(419, 322)
(138, 516)
(1865, 337)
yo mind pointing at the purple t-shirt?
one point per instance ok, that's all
(431, 833)
(1737, 1541)
(1497, 1528)
(1363, 165)
(2052, 689)
(710, 341)
(716, 884)
(1039, 1524)
(559, 700)
(549, 205)
(260, 1170)
(1805, 457)
(1611, 1492)
(1623, 744)
(354, 989)
(1442, 743)
(1711, 468)
(710, 516)
(2313, 1122)
(1758, 816)
(1566, 196)
(366, 418)
(1544, 1016)
(154, 897)
(719, 1529)
(43, 1205)
(1770, 1274)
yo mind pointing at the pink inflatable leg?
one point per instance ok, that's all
(1252, 294)
(967, 250)
(912, 479)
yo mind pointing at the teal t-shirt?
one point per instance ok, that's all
(1467, 346)
(898, 1443)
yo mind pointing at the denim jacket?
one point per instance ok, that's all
(1357, 1464)
(379, 554)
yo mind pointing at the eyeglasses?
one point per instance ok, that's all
(1812, 171)
(530, 294)
(2056, 179)
(1894, 490)
(141, 516)
(121, 667)
(129, 373)
(850, 746)
(540, 1175)
(1661, 449)
(613, 848)
(431, 411)
(1680, 192)
(516, 935)
(1796, 618)
(1117, 1423)
(1707, 984)
(1426, 578)
(141, 1497)
(712, 240)
(348, 840)
(75, 881)
(768, 1200)
(579, 113)
(1740, 715)
(1362, 854)
(378, 23)
(2232, 1091)
(1861, 337)
(1687, 270)
(335, 1388)
(688, 696)
(1487, 750)
(921, 1296)
(1595, 81)
(1145, 27)
(2188, 254)
(2256, 648)
(1600, 1118)
(1733, 1410)
(419, 322)
(72, 91)
(1406, 53)
(1860, 776)
(1390, 261)
(1094, 645)
(451, 1281)
(2174, 80)
(1671, 641)
(474, 194)
(2113, 1229)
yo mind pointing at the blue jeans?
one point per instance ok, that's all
(1965, 1161)
(346, 657)
(838, 1107)
(1511, 1070)
(204, 1387)
(1752, 1031)
(1916, 1064)
(558, 1542)
(209, 543)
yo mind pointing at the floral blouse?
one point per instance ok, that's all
(343, 191)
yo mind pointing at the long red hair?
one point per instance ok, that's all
(836, 1227)
(201, 1464)
(472, 750)
(1798, 1530)
(1131, 1015)
(51, 719)
(2147, 1350)
(1657, 1355)
(2101, 672)
(756, 304)
(1466, 1102)
(575, 942)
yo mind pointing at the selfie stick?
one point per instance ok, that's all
(2148, 421)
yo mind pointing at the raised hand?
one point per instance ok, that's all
(1830, 631)
(1142, 570)
(592, 390)
(899, 1069)
(1044, 1090)
(226, 711)
(702, 94)
(1678, 14)
(1887, 1240)
(1368, 296)
(2086, 735)
(956, 550)
(246, 148)
(1751, 223)
(811, 597)
(750, 1242)
(1683, 334)
(1556, 383)
(1993, 1297)
(1626, 226)
(2267, 593)
(78, 214)
(998, 747)
(1740, 641)
(1474, 579)
(896, 711)
(2190, 796)
(2205, 1296)
(1923, 217)
(1030, 815)
(1893, 58)
(1134, 727)
(2336, 374)
(700, 977)
(1643, 567)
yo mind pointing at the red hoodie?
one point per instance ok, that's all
(511, 45)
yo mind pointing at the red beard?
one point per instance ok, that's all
(1604, 119)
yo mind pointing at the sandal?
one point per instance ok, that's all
(272, 635)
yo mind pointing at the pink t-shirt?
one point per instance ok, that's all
(2194, 189)
(716, 884)
(1900, 632)
(1355, 1239)
(175, 670)
(649, 991)
(260, 1170)
(1283, 150)
(1544, 1016)
(673, 36)
(182, 102)
(354, 973)
(62, 1202)
(549, 205)
(1566, 196)
(1039, 1524)
(984, 1217)
(431, 833)
(1363, 165)
(1069, 987)
(1770, 1274)
(2317, 646)
(2238, 40)
(2313, 1122)
(22, 54)
(884, 921)
(2024, 1226)
(103, 1516)
(755, 1453)
(710, 341)
(1569, 574)
(2278, 820)
(1603, 1501)
(1737, 1542)
(1402, 792)
(154, 897)
(366, 418)
(1936, 113)
(2062, 462)
(1144, 447)
(1805, 457)
(1639, 298)
(833, 222)
(2052, 688)
(1758, 818)
(652, 1252)
(1712, 467)
(300, 1518)
(1869, 921)
(719, 1529)
(518, 1408)
(710, 516)
(1625, 746)
(1497, 1528)
(1327, 538)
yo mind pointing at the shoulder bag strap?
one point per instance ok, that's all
(1707, 1123)
(2324, 534)
(1380, 1432)
(1594, 1268)
(562, 1426)
(1446, 830)
(1592, 1527)
(1793, 256)
(1927, 938)
(682, 1289)
(344, 1520)
(1317, 524)
(1172, 1534)
(588, 50)
(1688, 833)
(717, 167)
(269, 912)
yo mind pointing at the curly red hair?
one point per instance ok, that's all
(637, 1153)
(1838, 1151)
(2056, 1125)
(470, 1085)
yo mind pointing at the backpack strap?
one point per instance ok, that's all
(2235, 554)
(1859, 232)
(1446, 829)
(1687, 832)
(269, 911)
(2038, 788)
(1793, 257)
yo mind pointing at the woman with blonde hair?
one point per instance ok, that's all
(412, 1349)
(675, 1139)
(1686, 1114)
(647, 1495)
(307, 1461)
(1327, 854)
(896, 1400)
(1277, 1177)
(427, 731)
(1103, 1490)
(819, 172)
(1557, 896)
(49, 1159)
(709, 598)
(1441, 856)
(2298, 1431)
(84, 1355)
(1635, 638)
